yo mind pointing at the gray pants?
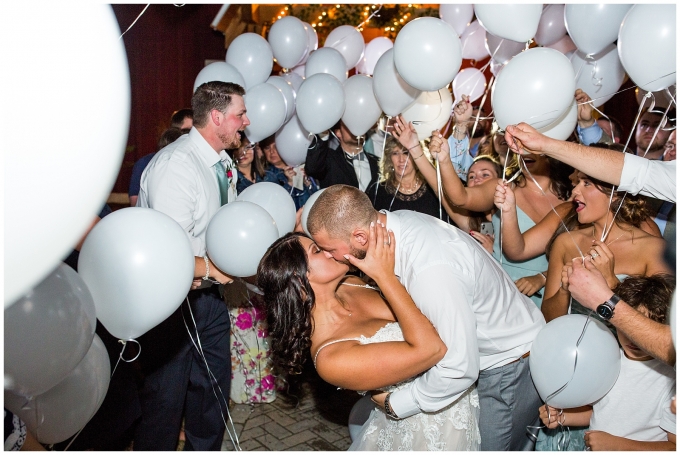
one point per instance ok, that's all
(508, 403)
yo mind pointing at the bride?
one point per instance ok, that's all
(356, 343)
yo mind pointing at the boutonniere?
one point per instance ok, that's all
(229, 174)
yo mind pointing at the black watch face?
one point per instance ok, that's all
(604, 311)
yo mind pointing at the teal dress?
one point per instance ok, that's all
(573, 439)
(515, 269)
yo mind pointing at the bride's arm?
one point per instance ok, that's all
(373, 366)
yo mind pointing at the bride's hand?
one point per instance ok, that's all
(379, 260)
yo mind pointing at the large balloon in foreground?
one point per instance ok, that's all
(427, 53)
(58, 179)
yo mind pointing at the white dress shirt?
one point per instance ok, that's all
(648, 177)
(180, 181)
(476, 308)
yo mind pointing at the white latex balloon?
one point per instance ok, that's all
(238, 236)
(601, 76)
(427, 53)
(219, 71)
(307, 207)
(472, 42)
(266, 106)
(471, 82)
(139, 265)
(287, 91)
(300, 70)
(361, 108)
(65, 409)
(252, 56)
(551, 27)
(564, 45)
(292, 142)
(647, 51)
(289, 41)
(564, 126)
(430, 112)
(391, 90)
(496, 67)
(536, 87)
(552, 363)
(320, 102)
(326, 60)
(516, 22)
(275, 200)
(52, 173)
(594, 26)
(502, 50)
(456, 15)
(661, 98)
(349, 42)
(294, 79)
(374, 50)
(48, 332)
(312, 42)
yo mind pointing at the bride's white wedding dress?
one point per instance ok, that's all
(455, 427)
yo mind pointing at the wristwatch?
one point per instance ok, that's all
(606, 309)
(388, 409)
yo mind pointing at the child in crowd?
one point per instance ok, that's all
(635, 414)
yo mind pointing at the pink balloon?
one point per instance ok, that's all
(472, 42)
(551, 27)
(502, 50)
(374, 50)
(565, 45)
(456, 15)
(471, 82)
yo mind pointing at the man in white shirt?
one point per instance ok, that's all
(189, 180)
(485, 322)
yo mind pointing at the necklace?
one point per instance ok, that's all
(409, 189)
(624, 233)
(367, 286)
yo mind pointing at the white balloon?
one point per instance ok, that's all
(374, 50)
(647, 51)
(564, 45)
(496, 67)
(391, 90)
(300, 70)
(139, 265)
(312, 42)
(219, 71)
(564, 126)
(292, 142)
(320, 102)
(275, 200)
(307, 207)
(551, 27)
(471, 82)
(361, 108)
(456, 15)
(472, 42)
(600, 77)
(594, 26)
(238, 236)
(294, 79)
(52, 173)
(326, 60)
(502, 50)
(430, 112)
(65, 409)
(266, 106)
(516, 22)
(536, 87)
(288, 93)
(48, 332)
(289, 41)
(349, 42)
(252, 56)
(552, 361)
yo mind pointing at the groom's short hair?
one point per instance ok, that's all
(339, 210)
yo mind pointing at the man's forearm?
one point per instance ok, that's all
(602, 164)
(650, 336)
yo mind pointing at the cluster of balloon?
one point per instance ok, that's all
(56, 369)
(240, 232)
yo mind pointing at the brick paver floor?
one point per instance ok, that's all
(312, 415)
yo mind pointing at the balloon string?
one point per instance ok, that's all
(439, 189)
(120, 356)
(197, 344)
(375, 13)
(73, 439)
(313, 142)
(479, 111)
(134, 22)
(399, 184)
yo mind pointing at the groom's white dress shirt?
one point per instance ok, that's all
(476, 308)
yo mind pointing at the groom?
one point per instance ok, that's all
(486, 323)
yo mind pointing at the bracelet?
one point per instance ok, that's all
(388, 409)
(419, 156)
(207, 268)
(543, 275)
(417, 145)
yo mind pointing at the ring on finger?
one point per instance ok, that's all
(594, 254)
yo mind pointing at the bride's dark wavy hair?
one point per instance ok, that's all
(289, 299)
